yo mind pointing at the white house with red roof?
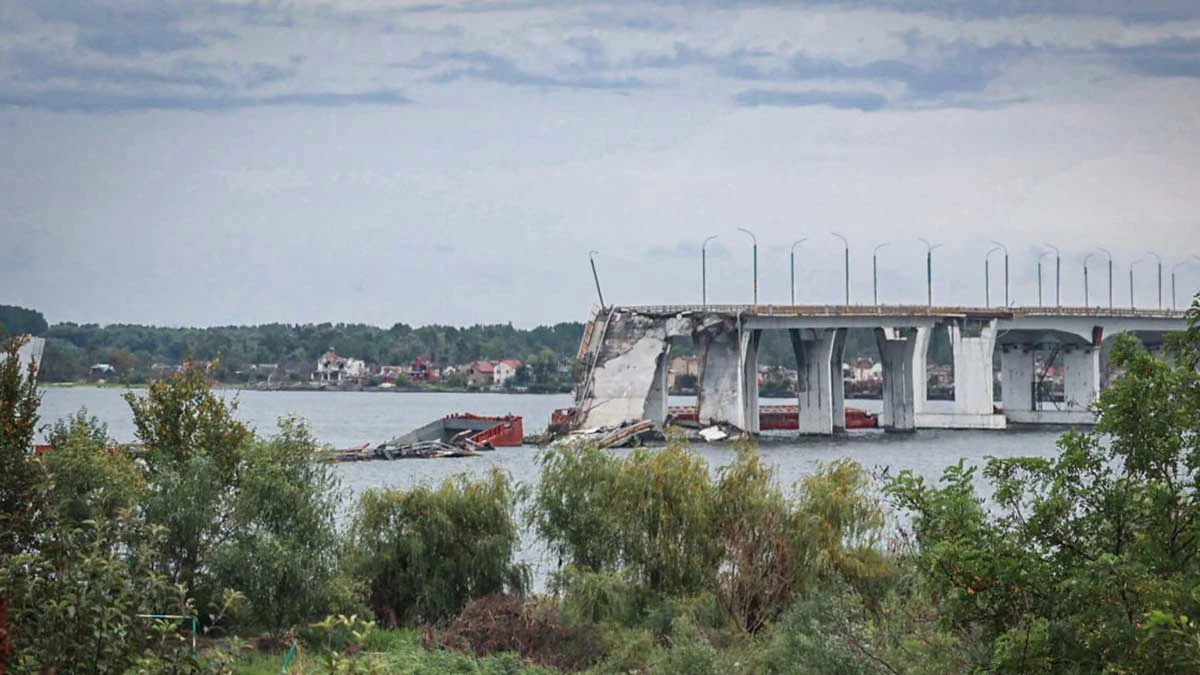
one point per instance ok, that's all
(505, 370)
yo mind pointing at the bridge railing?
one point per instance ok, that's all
(905, 310)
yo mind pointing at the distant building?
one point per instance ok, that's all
(334, 368)
(389, 374)
(101, 369)
(481, 373)
(505, 370)
(421, 370)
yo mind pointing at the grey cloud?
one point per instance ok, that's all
(1175, 57)
(1139, 11)
(111, 102)
(865, 101)
(488, 66)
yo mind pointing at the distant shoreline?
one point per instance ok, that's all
(324, 389)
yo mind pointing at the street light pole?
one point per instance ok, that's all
(755, 240)
(1159, 259)
(1173, 268)
(1043, 254)
(1085, 278)
(1132, 304)
(846, 246)
(1057, 275)
(875, 273)
(929, 270)
(596, 277)
(1005, 249)
(794, 245)
(704, 271)
(987, 277)
(1110, 277)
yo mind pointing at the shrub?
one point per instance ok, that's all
(424, 553)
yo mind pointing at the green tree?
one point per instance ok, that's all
(19, 401)
(282, 553)
(19, 321)
(238, 513)
(424, 552)
(88, 477)
(1089, 561)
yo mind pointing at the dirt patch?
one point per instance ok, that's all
(534, 629)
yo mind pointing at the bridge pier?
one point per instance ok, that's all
(819, 371)
(896, 350)
(720, 382)
(748, 420)
(972, 343)
(1081, 386)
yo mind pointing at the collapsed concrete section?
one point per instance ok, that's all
(628, 376)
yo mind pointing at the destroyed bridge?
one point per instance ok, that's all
(627, 350)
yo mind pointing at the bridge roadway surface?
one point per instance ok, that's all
(627, 349)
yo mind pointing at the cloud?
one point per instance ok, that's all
(1173, 57)
(63, 100)
(457, 65)
(865, 101)
(1139, 12)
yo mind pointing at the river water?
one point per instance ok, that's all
(348, 419)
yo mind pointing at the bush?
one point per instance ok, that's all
(238, 512)
(424, 553)
(658, 521)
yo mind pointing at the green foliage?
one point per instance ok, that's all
(20, 321)
(658, 522)
(138, 347)
(75, 600)
(424, 552)
(255, 516)
(282, 551)
(88, 477)
(19, 401)
(1086, 552)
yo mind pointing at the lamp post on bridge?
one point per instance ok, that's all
(1110, 277)
(1173, 268)
(846, 248)
(1041, 255)
(875, 272)
(596, 277)
(1005, 249)
(794, 245)
(987, 275)
(704, 271)
(755, 240)
(1085, 278)
(1132, 304)
(1159, 259)
(1057, 274)
(929, 270)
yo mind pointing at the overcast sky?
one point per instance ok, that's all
(209, 162)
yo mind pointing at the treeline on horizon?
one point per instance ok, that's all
(132, 349)
(72, 348)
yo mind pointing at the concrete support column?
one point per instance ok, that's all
(896, 349)
(1081, 378)
(656, 397)
(718, 348)
(973, 343)
(839, 385)
(920, 369)
(748, 386)
(1016, 380)
(819, 372)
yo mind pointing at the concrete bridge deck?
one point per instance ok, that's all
(627, 349)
